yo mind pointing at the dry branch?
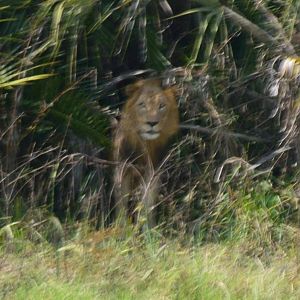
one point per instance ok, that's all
(225, 132)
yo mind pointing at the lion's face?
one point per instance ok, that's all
(151, 109)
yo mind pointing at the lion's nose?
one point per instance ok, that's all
(152, 124)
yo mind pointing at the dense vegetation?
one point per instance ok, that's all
(230, 176)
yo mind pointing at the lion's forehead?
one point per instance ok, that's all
(151, 89)
(152, 96)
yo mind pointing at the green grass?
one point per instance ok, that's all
(101, 266)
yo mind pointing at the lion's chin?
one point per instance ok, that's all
(149, 135)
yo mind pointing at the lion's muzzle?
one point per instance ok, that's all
(150, 131)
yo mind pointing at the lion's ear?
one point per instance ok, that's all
(132, 88)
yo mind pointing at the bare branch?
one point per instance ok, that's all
(225, 132)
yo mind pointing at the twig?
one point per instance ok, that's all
(225, 132)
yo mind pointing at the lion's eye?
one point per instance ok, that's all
(162, 106)
(142, 105)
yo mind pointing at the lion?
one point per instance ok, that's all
(149, 119)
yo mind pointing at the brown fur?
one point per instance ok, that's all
(138, 148)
